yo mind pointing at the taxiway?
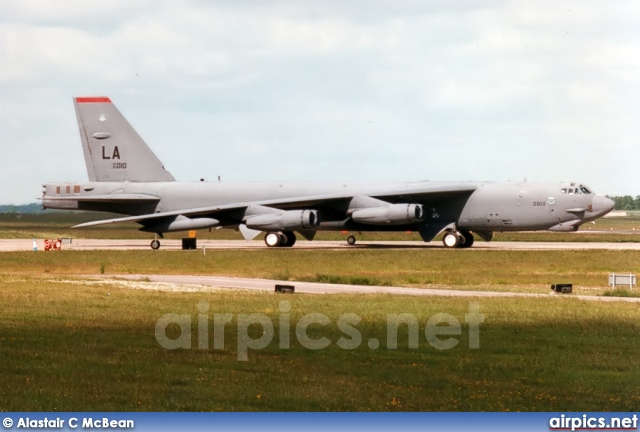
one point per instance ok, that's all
(7, 245)
(267, 285)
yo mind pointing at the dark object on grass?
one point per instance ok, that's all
(562, 288)
(189, 243)
(285, 289)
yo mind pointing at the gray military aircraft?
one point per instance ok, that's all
(127, 178)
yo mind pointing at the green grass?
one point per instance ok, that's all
(66, 347)
(73, 346)
(621, 292)
(349, 280)
(532, 271)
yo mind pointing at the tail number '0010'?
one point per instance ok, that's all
(119, 165)
(539, 203)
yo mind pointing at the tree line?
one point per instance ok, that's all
(24, 208)
(626, 202)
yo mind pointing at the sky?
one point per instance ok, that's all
(333, 90)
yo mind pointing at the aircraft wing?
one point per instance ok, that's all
(421, 193)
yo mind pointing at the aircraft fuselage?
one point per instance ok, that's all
(492, 206)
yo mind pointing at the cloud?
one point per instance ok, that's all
(329, 90)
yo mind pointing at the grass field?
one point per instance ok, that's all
(67, 347)
(524, 271)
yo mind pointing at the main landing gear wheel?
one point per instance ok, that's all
(280, 239)
(290, 238)
(453, 239)
(468, 239)
(155, 244)
(351, 240)
(273, 239)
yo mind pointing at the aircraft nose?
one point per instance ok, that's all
(602, 205)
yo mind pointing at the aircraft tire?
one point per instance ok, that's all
(273, 239)
(351, 240)
(155, 244)
(290, 238)
(468, 239)
(452, 239)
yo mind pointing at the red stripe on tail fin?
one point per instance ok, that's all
(99, 99)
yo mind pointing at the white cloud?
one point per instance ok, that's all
(355, 90)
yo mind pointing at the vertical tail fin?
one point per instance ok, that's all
(113, 150)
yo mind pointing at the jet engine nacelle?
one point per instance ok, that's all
(182, 223)
(394, 214)
(290, 220)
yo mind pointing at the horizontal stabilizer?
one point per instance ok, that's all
(110, 198)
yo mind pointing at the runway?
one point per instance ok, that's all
(8, 245)
(266, 285)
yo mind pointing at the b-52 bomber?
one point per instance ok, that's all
(127, 178)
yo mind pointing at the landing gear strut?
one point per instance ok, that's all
(280, 239)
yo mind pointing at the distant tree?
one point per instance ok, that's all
(25, 208)
(626, 202)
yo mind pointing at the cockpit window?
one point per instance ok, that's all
(577, 190)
